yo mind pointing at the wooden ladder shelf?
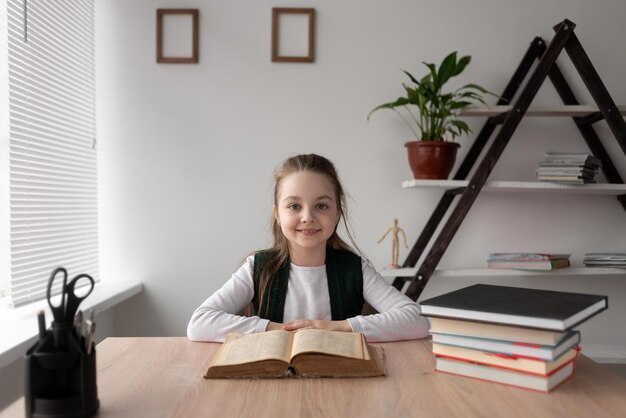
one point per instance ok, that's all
(509, 117)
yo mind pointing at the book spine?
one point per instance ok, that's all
(494, 381)
(484, 363)
(518, 349)
(513, 369)
(510, 384)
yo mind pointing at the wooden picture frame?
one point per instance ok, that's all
(160, 35)
(310, 53)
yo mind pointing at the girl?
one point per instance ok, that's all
(310, 278)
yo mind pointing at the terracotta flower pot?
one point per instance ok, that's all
(431, 159)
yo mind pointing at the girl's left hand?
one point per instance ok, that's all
(317, 324)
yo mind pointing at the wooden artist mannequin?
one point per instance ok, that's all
(394, 229)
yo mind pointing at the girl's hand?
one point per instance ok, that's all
(317, 324)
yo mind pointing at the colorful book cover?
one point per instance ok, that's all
(503, 361)
(525, 256)
(512, 348)
(506, 377)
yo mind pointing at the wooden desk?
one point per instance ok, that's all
(162, 377)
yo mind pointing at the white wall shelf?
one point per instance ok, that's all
(570, 271)
(521, 186)
(571, 110)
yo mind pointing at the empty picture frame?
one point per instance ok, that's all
(293, 34)
(177, 36)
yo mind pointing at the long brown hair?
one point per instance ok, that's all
(279, 252)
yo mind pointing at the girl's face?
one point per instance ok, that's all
(307, 211)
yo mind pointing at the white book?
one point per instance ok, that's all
(495, 332)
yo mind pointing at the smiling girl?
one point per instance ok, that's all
(310, 278)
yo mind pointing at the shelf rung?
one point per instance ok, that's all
(522, 186)
(571, 110)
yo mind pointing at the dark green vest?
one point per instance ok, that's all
(345, 286)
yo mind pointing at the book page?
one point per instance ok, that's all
(346, 344)
(248, 348)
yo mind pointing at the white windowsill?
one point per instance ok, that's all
(19, 326)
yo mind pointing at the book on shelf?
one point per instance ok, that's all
(617, 260)
(525, 256)
(532, 308)
(569, 158)
(567, 179)
(560, 165)
(556, 155)
(514, 363)
(512, 348)
(545, 265)
(606, 256)
(506, 377)
(306, 353)
(492, 331)
(608, 264)
(568, 168)
(566, 171)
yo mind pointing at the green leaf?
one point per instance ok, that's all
(400, 101)
(446, 69)
(472, 95)
(433, 72)
(421, 103)
(460, 66)
(411, 77)
(412, 94)
(462, 126)
(460, 105)
(475, 87)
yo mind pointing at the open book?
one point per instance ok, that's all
(306, 353)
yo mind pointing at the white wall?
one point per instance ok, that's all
(187, 151)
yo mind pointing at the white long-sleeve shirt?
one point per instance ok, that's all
(307, 298)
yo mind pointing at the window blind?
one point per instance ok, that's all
(52, 133)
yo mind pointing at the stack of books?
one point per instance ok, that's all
(528, 261)
(513, 336)
(568, 168)
(617, 260)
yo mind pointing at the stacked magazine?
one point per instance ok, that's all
(568, 168)
(617, 260)
(528, 261)
(513, 336)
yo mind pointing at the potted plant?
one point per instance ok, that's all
(433, 154)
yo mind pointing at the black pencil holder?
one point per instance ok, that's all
(61, 376)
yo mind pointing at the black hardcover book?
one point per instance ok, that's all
(532, 308)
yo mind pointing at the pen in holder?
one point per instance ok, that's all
(61, 365)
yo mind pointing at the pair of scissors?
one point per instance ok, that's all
(66, 310)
